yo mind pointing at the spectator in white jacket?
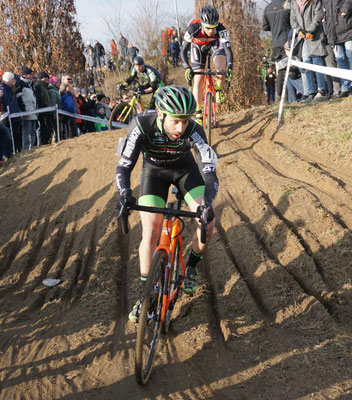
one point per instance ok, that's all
(27, 101)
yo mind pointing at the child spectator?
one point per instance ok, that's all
(100, 113)
(270, 86)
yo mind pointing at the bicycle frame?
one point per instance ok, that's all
(164, 280)
(127, 110)
(167, 243)
(209, 109)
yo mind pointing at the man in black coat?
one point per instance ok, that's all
(99, 52)
(338, 29)
(276, 20)
(46, 119)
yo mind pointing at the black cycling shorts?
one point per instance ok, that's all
(156, 181)
(199, 54)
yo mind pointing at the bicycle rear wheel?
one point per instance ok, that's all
(149, 325)
(209, 117)
(176, 279)
(122, 112)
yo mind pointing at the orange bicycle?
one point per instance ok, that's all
(165, 280)
(208, 105)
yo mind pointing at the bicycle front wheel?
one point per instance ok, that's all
(175, 283)
(122, 112)
(209, 116)
(149, 325)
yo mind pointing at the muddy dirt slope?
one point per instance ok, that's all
(272, 318)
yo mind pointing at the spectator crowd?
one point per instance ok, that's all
(31, 91)
(324, 38)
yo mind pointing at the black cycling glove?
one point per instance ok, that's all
(126, 200)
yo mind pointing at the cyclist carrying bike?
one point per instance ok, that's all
(149, 79)
(166, 137)
(205, 35)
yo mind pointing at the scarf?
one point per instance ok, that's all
(301, 4)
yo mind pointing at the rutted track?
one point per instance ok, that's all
(275, 294)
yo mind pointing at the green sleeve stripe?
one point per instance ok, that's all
(194, 193)
(151, 200)
(140, 126)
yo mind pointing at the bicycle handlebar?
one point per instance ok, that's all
(125, 89)
(209, 73)
(163, 211)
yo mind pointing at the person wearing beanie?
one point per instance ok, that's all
(53, 88)
(100, 113)
(87, 108)
(8, 77)
(69, 104)
(41, 75)
(102, 101)
(55, 98)
(9, 100)
(46, 119)
(27, 101)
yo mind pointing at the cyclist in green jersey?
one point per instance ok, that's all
(149, 79)
(165, 138)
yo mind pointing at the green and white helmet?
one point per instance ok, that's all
(176, 101)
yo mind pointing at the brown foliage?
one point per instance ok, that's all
(239, 18)
(41, 34)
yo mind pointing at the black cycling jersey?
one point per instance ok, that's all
(195, 36)
(145, 135)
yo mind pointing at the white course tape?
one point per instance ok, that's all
(3, 116)
(48, 109)
(92, 119)
(40, 110)
(336, 72)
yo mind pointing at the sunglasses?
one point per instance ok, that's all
(210, 26)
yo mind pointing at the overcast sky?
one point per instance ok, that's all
(93, 27)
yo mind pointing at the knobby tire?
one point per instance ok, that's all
(117, 111)
(209, 117)
(175, 272)
(148, 330)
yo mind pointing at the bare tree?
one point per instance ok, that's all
(148, 19)
(111, 16)
(42, 34)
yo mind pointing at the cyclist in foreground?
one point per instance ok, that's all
(205, 35)
(165, 137)
(149, 79)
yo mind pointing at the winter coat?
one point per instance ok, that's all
(9, 99)
(91, 59)
(123, 42)
(55, 97)
(338, 28)
(26, 98)
(101, 126)
(175, 48)
(310, 21)
(69, 103)
(270, 79)
(107, 110)
(277, 20)
(42, 94)
(99, 50)
(132, 52)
